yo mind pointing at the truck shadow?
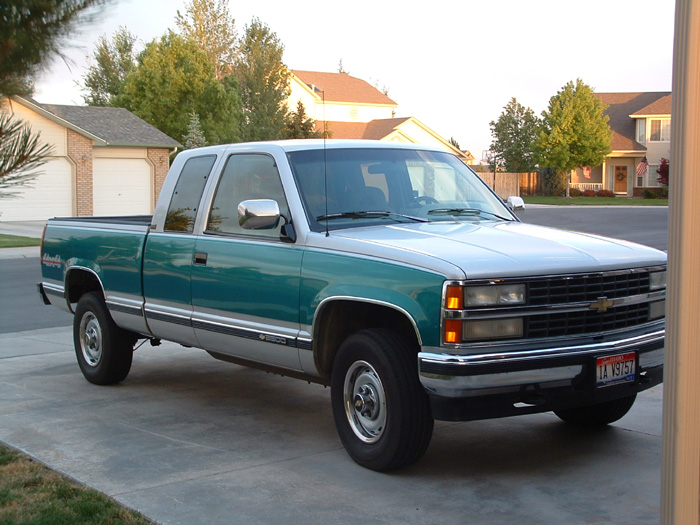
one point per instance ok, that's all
(235, 405)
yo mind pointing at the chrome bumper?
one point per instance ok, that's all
(464, 376)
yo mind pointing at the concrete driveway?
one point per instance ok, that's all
(187, 439)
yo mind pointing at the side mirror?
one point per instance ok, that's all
(515, 203)
(258, 214)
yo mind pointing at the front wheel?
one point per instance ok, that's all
(104, 350)
(597, 415)
(381, 412)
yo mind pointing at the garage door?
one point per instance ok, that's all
(50, 195)
(122, 187)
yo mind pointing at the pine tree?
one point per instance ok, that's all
(21, 153)
(299, 126)
(195, 135)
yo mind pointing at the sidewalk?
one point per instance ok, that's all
(25, 229)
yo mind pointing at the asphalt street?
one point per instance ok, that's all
(188, 439)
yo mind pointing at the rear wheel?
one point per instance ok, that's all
(104, 350)
(380, 409)
(597, 415)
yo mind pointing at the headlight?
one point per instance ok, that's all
(494, 295)
(657, 281)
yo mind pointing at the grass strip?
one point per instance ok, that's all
(594, 201)
(31, 493)
(17, 241)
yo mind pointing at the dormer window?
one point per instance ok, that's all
(660, 130)
(641, 130)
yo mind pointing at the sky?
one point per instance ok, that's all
(453, 65)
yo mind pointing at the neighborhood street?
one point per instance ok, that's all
(188, 439)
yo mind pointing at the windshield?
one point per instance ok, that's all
(369, 186)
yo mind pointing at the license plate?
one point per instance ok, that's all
(615, 369)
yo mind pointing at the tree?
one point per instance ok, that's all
(662, 172)
(111, 62)
(195, 136)
(174, 78)
(299, 126)
(209, 24)
(32, 32)
(264, 83)
(514, 135)
(454, 142)
(574, 130)
(21, 153)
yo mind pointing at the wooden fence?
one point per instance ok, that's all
(531, 184)
(504, 184)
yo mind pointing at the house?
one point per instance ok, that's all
(105, 161)
(641, 126)
(350, 108)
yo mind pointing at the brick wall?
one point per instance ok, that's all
(80, 152)
(159, 158)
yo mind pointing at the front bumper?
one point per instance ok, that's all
(497, 384)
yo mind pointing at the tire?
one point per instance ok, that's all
(104, 350)
(381, 412)
(597, 415)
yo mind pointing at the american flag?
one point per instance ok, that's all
(642, 167)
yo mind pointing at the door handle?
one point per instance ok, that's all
(200, 258)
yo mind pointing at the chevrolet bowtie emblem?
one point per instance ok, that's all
(602, 305)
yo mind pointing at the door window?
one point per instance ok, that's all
(188, 192)
(246, 177)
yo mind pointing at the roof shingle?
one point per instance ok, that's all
(620, 107)
(341, 87)
(116, 126)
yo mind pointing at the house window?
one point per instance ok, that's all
(640, 181)
(641, 130)
(660, 130)
(652, 176)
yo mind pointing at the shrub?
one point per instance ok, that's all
(663, 172)
(648, 194)
(574, 192)
(605, 193)
(588, 193)
(554, 183)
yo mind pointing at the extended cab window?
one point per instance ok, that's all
(188, 193)
(246, 177)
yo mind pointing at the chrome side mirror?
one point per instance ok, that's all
(258, 214)
(515, 203)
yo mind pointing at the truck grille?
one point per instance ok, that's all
(575, 289)
(572, 323)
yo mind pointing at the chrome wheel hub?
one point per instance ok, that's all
(365, 401)
(91, 339)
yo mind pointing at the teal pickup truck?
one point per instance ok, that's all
(390, 272)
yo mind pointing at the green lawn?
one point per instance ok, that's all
(594, 201)
(16, 241)
(33, 494)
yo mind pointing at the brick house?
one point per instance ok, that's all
(350, 108)
(105, 161)
(641, 126)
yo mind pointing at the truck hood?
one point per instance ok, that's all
(496, 249)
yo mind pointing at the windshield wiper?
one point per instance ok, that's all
(366, 215)
(465, 211)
